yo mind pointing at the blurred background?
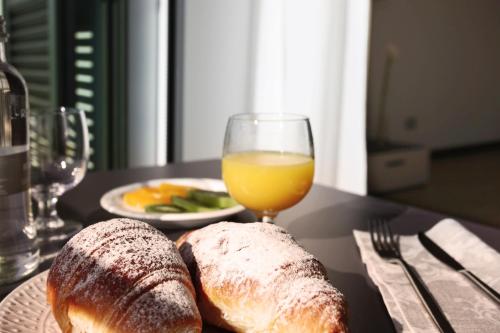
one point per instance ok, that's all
(434, 105)
(403, 96)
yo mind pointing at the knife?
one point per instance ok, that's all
(445, 258)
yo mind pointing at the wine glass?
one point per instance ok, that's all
(268, 161)
(59, 151)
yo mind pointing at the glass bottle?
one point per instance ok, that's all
(19, 254)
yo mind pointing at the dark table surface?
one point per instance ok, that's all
(322, 223)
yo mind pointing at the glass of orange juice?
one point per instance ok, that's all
(268, 161)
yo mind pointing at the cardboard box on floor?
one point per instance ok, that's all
(394, 166)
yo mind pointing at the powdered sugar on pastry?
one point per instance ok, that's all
(260, 280)
(122, 275)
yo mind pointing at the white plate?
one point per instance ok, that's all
(113, 203)
(25, 310)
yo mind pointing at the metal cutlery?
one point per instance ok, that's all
(387, 248)
(445, 258)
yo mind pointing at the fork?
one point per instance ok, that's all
(387, 248)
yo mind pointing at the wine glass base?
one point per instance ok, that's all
(65, 231)
(51, 240)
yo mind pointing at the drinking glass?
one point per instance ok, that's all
(268, 161)
(59, 151)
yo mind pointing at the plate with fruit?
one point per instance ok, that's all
(173, 202)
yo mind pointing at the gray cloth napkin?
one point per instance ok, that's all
(467, 308)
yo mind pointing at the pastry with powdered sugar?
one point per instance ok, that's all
(254, 277)
(122, 276)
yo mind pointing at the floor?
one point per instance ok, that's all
(465, 185)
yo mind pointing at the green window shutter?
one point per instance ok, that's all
(84, 79)
(93, 77)
(86, 96)
(32, 47)
(73, 53)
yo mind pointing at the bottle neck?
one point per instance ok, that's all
(3, 58)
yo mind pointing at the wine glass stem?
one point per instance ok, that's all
(267, 216)
(47, 214)
(267, 219)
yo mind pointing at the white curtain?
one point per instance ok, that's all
(310, 57)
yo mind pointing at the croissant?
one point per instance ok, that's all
(122, 276)
(254, 277)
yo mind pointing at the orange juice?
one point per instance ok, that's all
(267, 181)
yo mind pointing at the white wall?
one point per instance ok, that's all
(147, 82)
(447, 76)
(217, 64)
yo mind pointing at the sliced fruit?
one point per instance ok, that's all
(163, 209)
(190, 205)
(219, 200)
(172, 189)
(145, 196)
